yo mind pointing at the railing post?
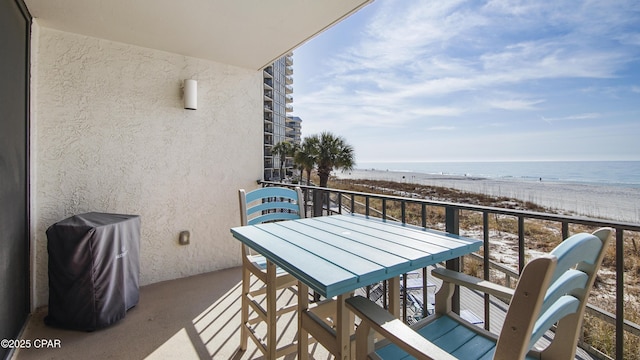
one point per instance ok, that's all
(521, 252)
(384, 209)
(485, 266)
(366, 206)
(318, 199)
(452, 220)
(452, 226)
(305, 195)
(619, 293)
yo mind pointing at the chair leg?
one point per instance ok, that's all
(244, 331)
(271, 311)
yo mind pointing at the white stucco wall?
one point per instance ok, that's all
(109, 134)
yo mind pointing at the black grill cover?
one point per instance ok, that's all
(93, 270)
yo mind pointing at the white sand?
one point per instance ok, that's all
(606, 202)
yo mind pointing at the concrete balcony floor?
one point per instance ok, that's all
(197, 317)
(191, 318)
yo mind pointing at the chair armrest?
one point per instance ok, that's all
(471, 282)
(379, 320)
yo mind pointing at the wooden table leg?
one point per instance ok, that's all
(303, 335)
(343, 328)
(352, 331)
(394, 296)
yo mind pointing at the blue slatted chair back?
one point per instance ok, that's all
(270, 204)
(570, 271)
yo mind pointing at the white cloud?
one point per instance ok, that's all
(586, 116)
(501, 64)
(412, 50)
(514, 104)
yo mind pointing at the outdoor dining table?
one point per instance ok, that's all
(335, 255)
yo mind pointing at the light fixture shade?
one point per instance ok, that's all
(190, 94)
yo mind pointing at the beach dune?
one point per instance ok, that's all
(598, 201)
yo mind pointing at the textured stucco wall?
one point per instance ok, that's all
(109, 134)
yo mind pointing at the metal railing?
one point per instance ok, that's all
(327, 201)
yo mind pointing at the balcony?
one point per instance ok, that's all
(205, 324)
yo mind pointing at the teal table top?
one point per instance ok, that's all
(337, 254)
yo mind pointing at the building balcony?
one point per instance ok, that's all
(206, 323)
(289, 108)
(289, 61)
(189, 306)
(288, 70)
(288, 80)
(289, 99)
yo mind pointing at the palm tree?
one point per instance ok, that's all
(282, 149)
(295, 147)
(306, 156)
(333, 153)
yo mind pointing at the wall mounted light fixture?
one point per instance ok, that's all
(190, 94)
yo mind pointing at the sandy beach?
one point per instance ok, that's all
(606, 202)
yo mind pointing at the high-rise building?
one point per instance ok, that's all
(294, 129)
(294, 135)
(278, 80)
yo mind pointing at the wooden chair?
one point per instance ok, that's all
(553, 289)
(259, 206)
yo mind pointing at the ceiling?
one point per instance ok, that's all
(245, 33)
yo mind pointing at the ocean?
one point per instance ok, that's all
(606, 173)
(602, 189)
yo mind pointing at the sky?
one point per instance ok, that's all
(503, 80)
